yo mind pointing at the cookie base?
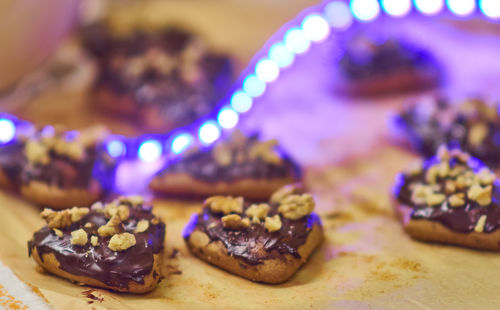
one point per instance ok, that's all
(59, 198)
(271, 271)
(51, 264)
(430, 231)
(182, 184)
(402, 81)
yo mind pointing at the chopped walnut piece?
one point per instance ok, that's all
(234, 221)
(122, 211)
(449, 187)
(111, 227)
(79, 237)
(223, 154)
(434, 199)
(134, 200)
(287, 190)
(78, 213)
(457, 200)
(443, 169)
(142, 226)
(420, 193)
(295, 207)
(224, 204)
(480, 224)
(273, 223)
(257, 212)
(88, 225)
(485, 176)
(36, 152)
(480, 194)
(265, 151)
(94, 240)
(442, 153)
(60, 219)
(58, 232)
(97, 207)
(121, 242)
(477, 134)
(432, 174)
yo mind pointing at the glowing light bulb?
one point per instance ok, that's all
(429, 7)
(267, 70)
(397, 8)
(181, 142)
(7, 130)
(209, 132)
(316, 28)
(296, 41)
(241, 102)
(365, 10)
(253, 86)
(461, 7)
(281, 55)
(150, 150)
(116, 148)
(339, 15)
(490, 8)
(228, 118)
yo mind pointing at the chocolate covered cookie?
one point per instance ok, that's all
(117, 245)
(263, 242)
(63, 169)
(472, 124)
(12, 159)
(451, 198)
(160, 80)
(238, 165)
(372, 65)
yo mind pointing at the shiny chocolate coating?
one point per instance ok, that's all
(460, 219)
(115, 269)
(202, 165)
(247, 244)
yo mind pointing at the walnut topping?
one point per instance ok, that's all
(485, 176)
(155, 221)
(480, 224)
(225, 205)
(257, 212)
(273, 223)
(97, 207)
(122, 211)
(295, 207)
(134, 200)
(94, 240)
(121, 242)
(223, 154)
(61, 219)
(442, 153)
(480, 194)
(234, 221)
(449, 187)
(432, 174)
(79, 237)
(435, 199)
(287, 190)
(36, 152)
(265, 151)
(477, 134)
(78, 213)
(111, 227)
(73, 149)
(142, 226)
(58, 232)
(457, 200)
(88, 225)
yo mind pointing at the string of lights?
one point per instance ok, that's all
(291, 41)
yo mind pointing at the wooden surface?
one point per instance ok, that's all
(366, 261)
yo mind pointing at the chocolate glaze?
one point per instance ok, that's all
(202, 165)
(373, 59)
(429, 123)
(116, 269)
(255, 244)
(159, 98)
(462, 219)
(12, 160)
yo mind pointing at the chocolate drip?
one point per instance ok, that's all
(116, 269)
(461, 219)
(202, 165)
(255, 244)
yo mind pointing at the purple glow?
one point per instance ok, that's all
(339, 15)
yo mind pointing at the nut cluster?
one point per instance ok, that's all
(71, 144)
(453, 185)
(117, 211)
(291, 205)
(238, 149)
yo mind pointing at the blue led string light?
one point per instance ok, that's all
(314, 26)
